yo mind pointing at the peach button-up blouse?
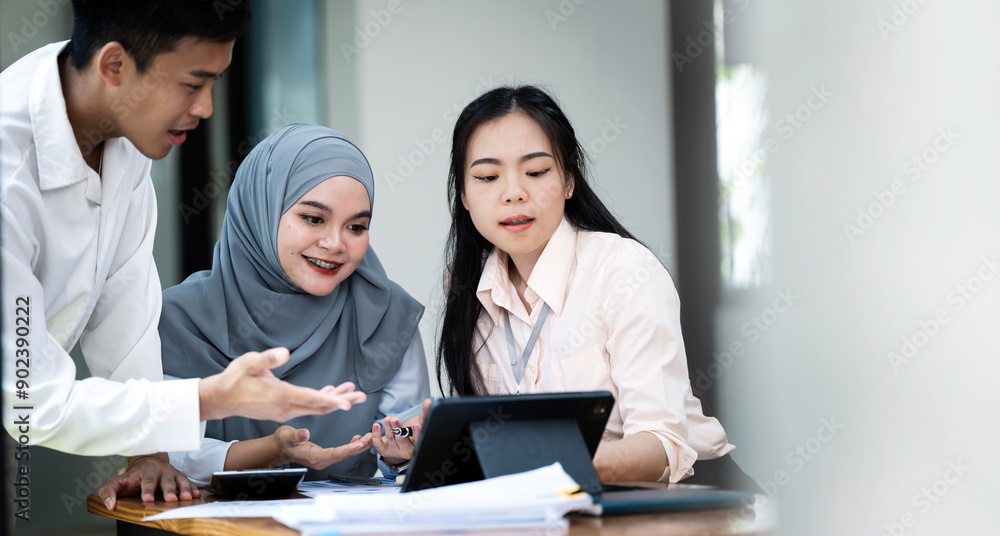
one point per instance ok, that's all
(613, 324)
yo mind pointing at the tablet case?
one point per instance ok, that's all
(470, 438)
(679, 499)
(522, 446)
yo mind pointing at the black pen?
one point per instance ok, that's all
(405, 431)
(344, 479)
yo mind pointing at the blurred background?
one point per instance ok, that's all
(818, 177)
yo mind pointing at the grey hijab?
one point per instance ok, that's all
(246, 302)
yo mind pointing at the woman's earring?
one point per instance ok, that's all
(569, 194)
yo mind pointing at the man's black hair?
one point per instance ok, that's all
(146, 28)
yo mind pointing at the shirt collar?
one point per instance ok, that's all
(548, 280)
(60, 162)
(494, 290)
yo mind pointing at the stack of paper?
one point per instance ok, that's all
(535, 499)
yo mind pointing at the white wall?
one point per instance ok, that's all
(895, 431)
(605, 62)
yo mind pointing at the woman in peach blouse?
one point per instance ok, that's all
(548, 292)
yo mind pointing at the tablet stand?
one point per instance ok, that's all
(510, 447)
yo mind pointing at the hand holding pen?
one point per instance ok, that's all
(397, 445)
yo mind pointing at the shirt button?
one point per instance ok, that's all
(531, 369)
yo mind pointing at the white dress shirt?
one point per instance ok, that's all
(613, 324)
(402, 397)
(78, 247)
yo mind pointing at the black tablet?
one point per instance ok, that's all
(256, 484)
(470, 438)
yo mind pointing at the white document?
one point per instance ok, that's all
(228, 509)
(535, 499)
(315, 488)
(270, 507)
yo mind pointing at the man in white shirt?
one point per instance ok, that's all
(79, 123)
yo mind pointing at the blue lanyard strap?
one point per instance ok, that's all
(515, 363)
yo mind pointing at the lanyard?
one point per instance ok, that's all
(515, 363)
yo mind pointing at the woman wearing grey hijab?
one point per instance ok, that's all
(293, 268)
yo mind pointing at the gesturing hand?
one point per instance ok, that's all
(248, 388)
(294, 446)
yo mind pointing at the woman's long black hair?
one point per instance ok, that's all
(467, 250)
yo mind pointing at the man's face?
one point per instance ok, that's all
(156, 108)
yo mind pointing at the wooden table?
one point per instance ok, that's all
(130, 511)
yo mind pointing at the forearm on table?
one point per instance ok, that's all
(636, 457)
(260, 453)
